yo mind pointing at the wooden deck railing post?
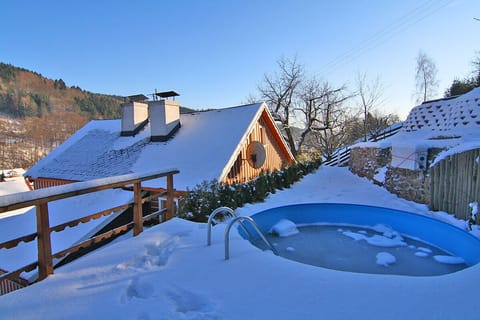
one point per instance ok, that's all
(45, 264)
(169, 204)
(137, 209)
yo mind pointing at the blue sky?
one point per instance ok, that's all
(215, 53)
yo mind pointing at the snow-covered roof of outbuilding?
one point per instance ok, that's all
(443, 123)
(205, 144)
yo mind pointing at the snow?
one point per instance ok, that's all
(448, 259)
(390, 238)
(13, 185)
(474, 206)
(380, 174)
(421, 254)
(464, 146)
(168, 272)
(284, 228)
(385, 259)
(426, 250)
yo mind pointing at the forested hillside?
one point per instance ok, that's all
(37, 114)
(25, 93)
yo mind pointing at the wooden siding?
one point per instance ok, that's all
(242, 171)
(41, 183)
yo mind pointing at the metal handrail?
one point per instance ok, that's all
(210, 220)
(212, 216)
(254, 225)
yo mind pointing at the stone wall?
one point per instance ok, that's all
(408, 184)
(364, 162)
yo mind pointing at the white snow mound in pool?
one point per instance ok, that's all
(284, 228)
(385, 259)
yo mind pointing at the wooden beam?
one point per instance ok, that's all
(169, 205)
(137, 209)
(45, 264)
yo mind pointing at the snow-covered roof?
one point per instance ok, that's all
(206, 142)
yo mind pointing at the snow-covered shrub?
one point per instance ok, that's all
(209, 195)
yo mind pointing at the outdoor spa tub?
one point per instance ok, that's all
(367, 239)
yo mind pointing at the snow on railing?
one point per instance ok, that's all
(40, 199)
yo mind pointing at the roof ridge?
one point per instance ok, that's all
(224, 109)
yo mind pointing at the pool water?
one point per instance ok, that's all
(368, 239)
(365, 250)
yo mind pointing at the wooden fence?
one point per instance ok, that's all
(41, 198)
(455, 184)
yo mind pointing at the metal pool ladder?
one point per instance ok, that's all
(238, 219)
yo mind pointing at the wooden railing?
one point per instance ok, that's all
(40, 199)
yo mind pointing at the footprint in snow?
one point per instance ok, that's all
(155, 255)
(191, 305)
(137, 289)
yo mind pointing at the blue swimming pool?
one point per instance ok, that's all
(362, 218)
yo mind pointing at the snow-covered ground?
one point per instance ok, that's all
(168, 272)
(13, 184)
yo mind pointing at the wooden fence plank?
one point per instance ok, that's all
(455, 183)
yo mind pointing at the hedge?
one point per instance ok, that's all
(209, 195)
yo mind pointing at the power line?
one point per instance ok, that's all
(414, 16)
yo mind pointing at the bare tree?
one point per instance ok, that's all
(370, 96)
(378, 122)
(321, 105)
(296, 99)
(280, 90)
(426, 78)
(476, 69)
(329, 132)
(250, 99)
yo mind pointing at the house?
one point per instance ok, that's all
(231, 145)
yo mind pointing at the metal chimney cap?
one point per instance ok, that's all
(167, 94)
(137, 98)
